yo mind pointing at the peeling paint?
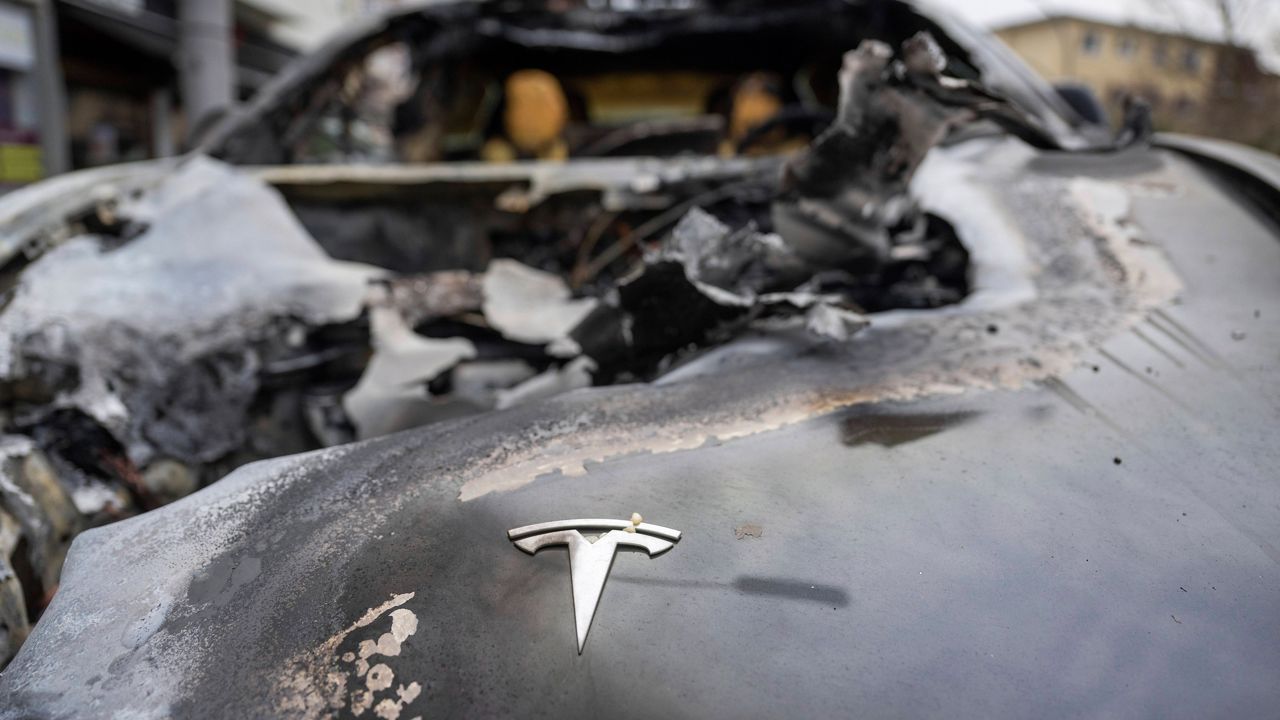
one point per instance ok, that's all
(316, 683)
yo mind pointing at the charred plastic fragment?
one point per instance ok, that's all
(705, 283)
(844, 202)
(38, 520)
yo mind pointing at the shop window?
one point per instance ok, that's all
(20, 154)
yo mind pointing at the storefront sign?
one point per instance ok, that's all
(17, 40)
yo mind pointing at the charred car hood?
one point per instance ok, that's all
(1057, 498)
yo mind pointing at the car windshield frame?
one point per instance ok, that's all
(615, 30)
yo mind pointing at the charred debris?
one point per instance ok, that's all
(206, 323)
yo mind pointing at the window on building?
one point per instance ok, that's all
(1191, 60)
(1127, 46)
(1160, 53)
(1091, 43)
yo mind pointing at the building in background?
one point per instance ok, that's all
(1193, 84)
(94, 82)
(32, 135)
(121, 64)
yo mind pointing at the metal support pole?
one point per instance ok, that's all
(162, 140)
(51, 91)
(206, 59)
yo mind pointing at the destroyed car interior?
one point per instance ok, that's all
(541, 242)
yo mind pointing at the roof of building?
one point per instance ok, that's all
(1049, 19)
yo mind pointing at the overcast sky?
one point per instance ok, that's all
(1261, 21)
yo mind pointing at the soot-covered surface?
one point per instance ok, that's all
(1085, 526)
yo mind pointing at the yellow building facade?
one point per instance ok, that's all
(1174, 73)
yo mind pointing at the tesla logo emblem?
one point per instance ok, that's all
(589, 561)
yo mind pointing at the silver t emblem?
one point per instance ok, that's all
(589, 562)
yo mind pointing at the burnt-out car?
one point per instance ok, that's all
(858, 374)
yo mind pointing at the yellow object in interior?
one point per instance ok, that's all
(753, 103)
(497, 150)
(616, 98)
(537, 111)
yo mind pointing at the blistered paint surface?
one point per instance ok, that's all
(321, 681)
